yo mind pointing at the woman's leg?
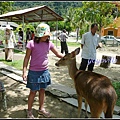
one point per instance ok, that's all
(6, 53)
(10, 54)
(42, 110)
(30, 103)
(31, 99)
(41, 98)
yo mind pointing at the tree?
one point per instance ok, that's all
(99, 12)
(69, 19)
(53, 25)
(75, 19)
(5, 7)
(79, 20)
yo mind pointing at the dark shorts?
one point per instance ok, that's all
(38, 79)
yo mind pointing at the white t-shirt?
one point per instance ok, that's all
(63, 37)
(11, 40)
(90, 42)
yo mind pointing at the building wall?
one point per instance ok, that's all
(109, 31)
(118, 32)
(116, 24)
(102, 31)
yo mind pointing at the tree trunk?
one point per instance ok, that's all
(105, 62)
(117, 59)
(77, 34)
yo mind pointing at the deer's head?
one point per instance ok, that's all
(68, 58)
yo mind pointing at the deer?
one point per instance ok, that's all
(95, 88)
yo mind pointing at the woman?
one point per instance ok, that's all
(9, 43)
(38, 77)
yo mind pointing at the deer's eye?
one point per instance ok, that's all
(63, 58)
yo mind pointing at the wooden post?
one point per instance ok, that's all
(105, 62)
(117, 59)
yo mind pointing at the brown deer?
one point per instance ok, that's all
(96, 89)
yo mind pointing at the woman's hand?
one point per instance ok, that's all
(24, 76)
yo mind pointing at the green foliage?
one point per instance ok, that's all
(29, 25)
(69, 19)
(61, 25)
(116, 85)
(99, 12)
(6, 6)
(52, 25)
(59, 7)
(2, 35)
(77, 15)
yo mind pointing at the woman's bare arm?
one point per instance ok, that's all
(25, 63)
(58, 54)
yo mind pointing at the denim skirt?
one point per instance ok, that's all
(38, 79)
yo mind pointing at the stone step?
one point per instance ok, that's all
(74, 102)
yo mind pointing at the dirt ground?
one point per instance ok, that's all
(17, 93)
(17, 96)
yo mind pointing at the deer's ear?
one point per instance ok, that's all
(77, 50)
(72, 55)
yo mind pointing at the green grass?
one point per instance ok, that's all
(18, 64)
(1, 46)
(71, 44)
(15, 50)
(18, 51)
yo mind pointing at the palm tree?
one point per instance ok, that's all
(79, 20)
(69, 17)
(99, 12)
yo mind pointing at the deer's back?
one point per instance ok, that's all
(94, 86)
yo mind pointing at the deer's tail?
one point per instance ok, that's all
(109, 112)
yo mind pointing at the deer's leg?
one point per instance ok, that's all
(79, 105)
(96, 111)
(86, 104)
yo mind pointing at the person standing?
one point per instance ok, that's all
(28, 35)
(62, 37)
(38, 77)
(9, 43)
(20, 33)
(89, 44)
(32, 35)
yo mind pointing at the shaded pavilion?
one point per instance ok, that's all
(35, 14)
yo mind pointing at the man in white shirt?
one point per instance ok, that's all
(62, 37)
(89, 44)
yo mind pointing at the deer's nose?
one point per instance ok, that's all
(56, 64)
